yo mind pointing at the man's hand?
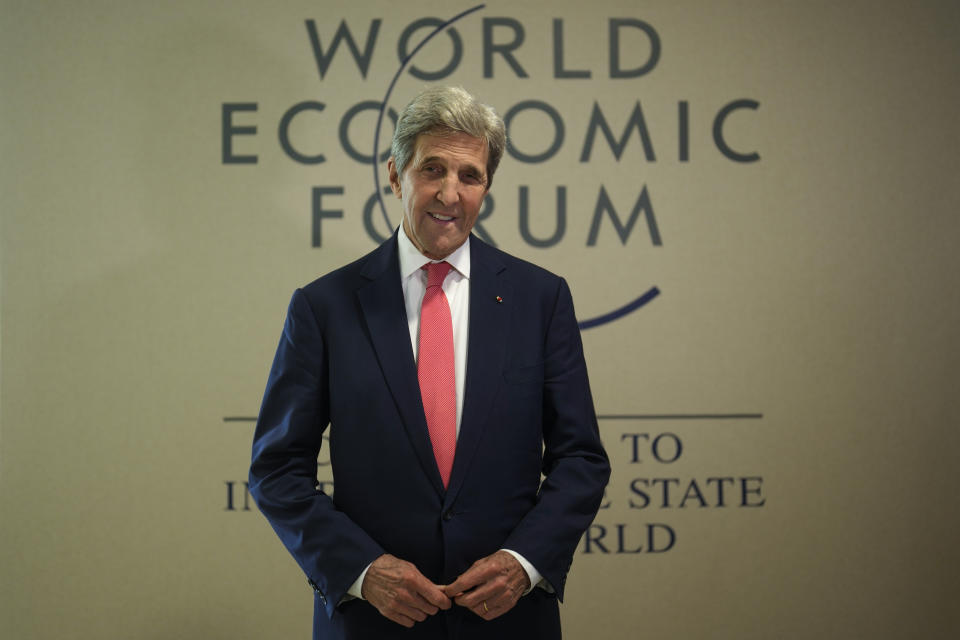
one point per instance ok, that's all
(400, 592)
(490, 587)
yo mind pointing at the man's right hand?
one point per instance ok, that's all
(400, 592)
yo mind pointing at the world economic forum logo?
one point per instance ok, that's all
(633, 50)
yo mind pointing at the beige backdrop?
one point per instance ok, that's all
(145, 281)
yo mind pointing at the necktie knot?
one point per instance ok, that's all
(436, 273)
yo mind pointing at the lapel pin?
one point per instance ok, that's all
(499, 299)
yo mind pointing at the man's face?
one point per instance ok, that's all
(442, 189)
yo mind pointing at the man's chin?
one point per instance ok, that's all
(440, 250)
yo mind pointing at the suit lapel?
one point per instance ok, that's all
(385, 314)
(485, 354)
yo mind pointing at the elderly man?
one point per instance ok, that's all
(463, 441)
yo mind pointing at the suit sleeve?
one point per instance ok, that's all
(575, 465)
(330, 548)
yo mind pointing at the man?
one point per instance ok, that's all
(451, 376)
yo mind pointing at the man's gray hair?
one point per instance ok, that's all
(440, 111)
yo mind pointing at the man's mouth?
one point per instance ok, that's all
(441, 218)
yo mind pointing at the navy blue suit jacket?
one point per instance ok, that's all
(345, 360)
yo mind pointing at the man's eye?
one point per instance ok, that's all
(471, 178)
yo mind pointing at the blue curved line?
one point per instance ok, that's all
(616, 314)
(383, 105)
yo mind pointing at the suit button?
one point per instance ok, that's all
(448, 515)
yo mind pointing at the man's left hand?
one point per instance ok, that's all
(490, 587)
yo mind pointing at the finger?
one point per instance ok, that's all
(461, 585)
(414, 612)
(492, 610)
(488, 593)
(408, 608)
(422, 603)
(489, 611)
(496, 594)
(434, 597)
(429, 597)
(491, 589)
(420, 599)
(399, 618)
(477, 574)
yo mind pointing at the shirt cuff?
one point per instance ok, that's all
(536, 580)
(355, 590)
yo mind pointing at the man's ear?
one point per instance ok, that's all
(394, 177)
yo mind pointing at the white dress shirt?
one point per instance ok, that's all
(456, 287)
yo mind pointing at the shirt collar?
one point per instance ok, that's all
(411, 259)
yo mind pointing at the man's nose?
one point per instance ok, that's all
(449, 190)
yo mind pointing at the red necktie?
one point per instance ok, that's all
(435, 369)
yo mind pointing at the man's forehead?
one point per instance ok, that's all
(462, 147)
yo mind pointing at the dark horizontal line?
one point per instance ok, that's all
(615, 416)
(681, 416)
